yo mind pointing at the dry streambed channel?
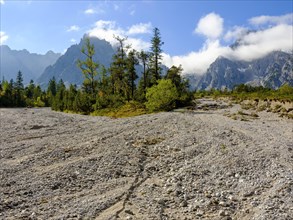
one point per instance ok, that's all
(196, 164)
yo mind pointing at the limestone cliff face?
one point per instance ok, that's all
(272, 71)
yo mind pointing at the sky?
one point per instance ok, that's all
(194, 33)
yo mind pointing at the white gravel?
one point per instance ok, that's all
(176, 165)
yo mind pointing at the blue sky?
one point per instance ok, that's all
(191, 30)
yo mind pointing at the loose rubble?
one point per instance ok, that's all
(193, 164)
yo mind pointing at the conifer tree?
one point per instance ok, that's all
(89, 68)
(144, 59)
(51, 90)
(156, 56)
(118, 67)
(19, 81)
(132, 61)
(19, 90)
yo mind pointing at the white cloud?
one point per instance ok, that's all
(235, 33)
(3, 37)
(97, 10)
(141, 28)
(197, 62)
(252, 45)
(2, 2)
(210, 25)
(108, 29)
(257, 44)
(89, 11)
(264, 19)
(138, 44)
(72, 40)
(73, 28)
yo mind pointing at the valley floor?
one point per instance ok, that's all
(192, 164)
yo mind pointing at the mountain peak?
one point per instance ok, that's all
(272, 71)
(30, 64)
(66, 68)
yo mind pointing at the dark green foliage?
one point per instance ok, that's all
(118, 68)
(14, 94)
(69, 98)
(19, 81)
(247, 92)
(144, 59)
(19, 90)
(111, 101)
(156, 56)
(82, 103)
(181, 84)
(89, 68)
(51, 91)
(58, 103)
(131, 62)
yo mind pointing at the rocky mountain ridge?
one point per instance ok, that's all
(31, 65)
(66, 66)
(271, 71)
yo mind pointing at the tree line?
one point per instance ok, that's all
(110, 88)
(14, 94)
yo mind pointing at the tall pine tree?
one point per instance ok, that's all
(89, 68)
(143, 57)
(132, 61)
(118, 68)
(156, 56)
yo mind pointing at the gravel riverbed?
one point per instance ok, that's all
(191, 164)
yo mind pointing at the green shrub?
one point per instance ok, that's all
(162, 97)
(39, 103)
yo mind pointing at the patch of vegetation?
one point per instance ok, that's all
(129, 109)
(110, 92)
(247, 92)
(15, 94)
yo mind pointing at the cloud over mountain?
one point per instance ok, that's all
(108, 29)
(265, 19)
(253, 42)
(3, 37)
(250, 44)
(278, 35)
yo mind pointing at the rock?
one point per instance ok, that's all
(248, 194)
(184, 203)
(127, 211)
(222, 213)
(199, 213)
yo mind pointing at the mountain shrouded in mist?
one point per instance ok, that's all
(31, 65)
